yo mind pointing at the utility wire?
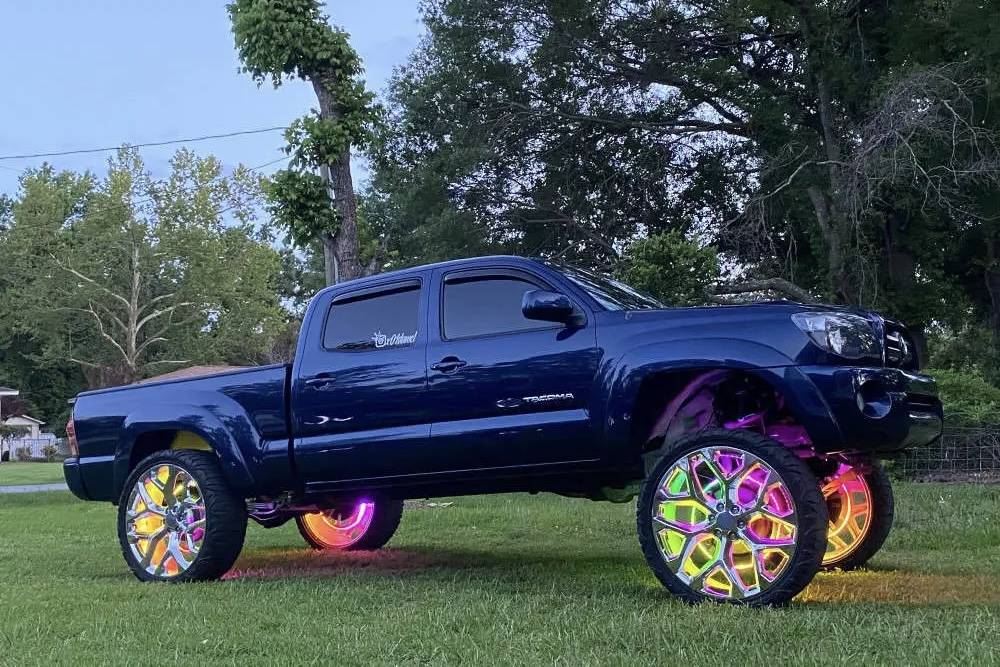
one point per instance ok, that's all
(142, 145)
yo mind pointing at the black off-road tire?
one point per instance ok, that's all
(388, 513)
(802, 486)
(225, 517)
(883, 513)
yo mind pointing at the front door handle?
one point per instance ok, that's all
(321, 381)
(449, 365)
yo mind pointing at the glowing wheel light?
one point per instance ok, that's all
(165, 521)
(725, 522)
(849, 504)
(335, 529)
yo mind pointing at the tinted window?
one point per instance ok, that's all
(483, 306)
(387, 319)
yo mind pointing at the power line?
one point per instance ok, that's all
(147, 144)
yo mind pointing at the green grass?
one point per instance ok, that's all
(17, 473)
(494, 580)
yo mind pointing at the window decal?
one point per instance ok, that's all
(393, 340)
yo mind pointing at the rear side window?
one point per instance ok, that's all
(374, 321)
(486, 305)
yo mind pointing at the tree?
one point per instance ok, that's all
(676, 271)
(279, 39)
(792, 134)
(127, 276)
(9, 433)
(509, 137)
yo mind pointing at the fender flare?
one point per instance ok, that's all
(802, 397)
(232, 437)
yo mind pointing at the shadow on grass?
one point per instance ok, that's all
(516, 568)
(623, 573)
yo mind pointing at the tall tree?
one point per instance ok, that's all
(806, 139)
(127, 276)
(279, 39)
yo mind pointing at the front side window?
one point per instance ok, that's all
(375, 321)
(486, 305)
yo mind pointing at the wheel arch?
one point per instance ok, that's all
(144, 434)
(659, 393)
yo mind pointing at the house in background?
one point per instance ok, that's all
(32, 426)
(33, 440)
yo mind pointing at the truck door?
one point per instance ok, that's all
(358, 393)
(506, 390)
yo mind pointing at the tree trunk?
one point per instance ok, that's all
(833, 220)
(830, 227)
(991, 275)
(901, 267)
(342, 251)
(330, 259)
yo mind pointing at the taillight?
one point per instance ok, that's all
(74, 446)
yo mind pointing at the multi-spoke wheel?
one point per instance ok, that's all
(732, 516)
(860, 505)
(364, 524)
(178, 520)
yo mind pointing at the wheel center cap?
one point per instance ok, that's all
(726, 522)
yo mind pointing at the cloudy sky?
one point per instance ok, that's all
(103, 72)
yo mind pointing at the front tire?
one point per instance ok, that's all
(365, 525)
(860, 504)
(732, 516)
(178, 519)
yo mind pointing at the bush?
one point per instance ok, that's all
(969, 400)
(22, 453)
(671, 268)
(49, 452)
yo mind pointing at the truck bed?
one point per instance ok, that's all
(249, 403)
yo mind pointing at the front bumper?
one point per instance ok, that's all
(877, 410)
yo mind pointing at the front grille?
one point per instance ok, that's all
(900, 350)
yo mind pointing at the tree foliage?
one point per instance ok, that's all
(844, 151)
(126, 276)
(671, 268)
(281, 39)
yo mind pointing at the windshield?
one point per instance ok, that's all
(610, 293)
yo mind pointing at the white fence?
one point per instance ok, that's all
(28, 448)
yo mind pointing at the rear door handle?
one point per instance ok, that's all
(449, 365)
(320, 381)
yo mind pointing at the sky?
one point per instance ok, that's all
(106, 72)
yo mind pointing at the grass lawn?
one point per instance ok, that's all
(497, 580)
(16, 473)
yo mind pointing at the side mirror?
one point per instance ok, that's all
(549, 306)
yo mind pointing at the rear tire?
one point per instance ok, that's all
(747, 526)
(866, 492)
(365, 526)
(178, 519)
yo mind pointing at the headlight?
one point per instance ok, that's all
(845, 335)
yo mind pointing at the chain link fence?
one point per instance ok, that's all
(961, 455)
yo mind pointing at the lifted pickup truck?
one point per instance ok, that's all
(750, 433)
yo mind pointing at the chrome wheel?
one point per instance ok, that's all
(725, 523)
(339, 528)
(849, 504)
(165, 520)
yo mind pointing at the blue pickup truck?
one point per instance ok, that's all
(750, 434)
